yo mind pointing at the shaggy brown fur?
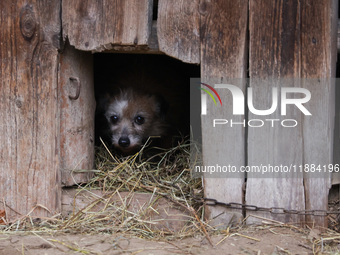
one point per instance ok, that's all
(133, 117)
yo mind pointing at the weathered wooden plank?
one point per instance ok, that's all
(338, 36)
(99, 25)
(29, 153)
(151, 48)
(336, 147)
(178, 29)
(318, 40)
(274, 55)
(77, 106)
(292, 39)
(223, 60)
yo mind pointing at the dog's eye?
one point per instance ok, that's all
(114, 119)
(139, 120)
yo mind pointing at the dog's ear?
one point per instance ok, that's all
(162, 106)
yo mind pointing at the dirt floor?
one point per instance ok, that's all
(250, 240)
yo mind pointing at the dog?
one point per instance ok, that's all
(140, 97)
(132, 117)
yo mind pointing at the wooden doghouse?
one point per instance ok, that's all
(47, 100)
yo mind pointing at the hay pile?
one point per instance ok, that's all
(167, 170)
(165, 175)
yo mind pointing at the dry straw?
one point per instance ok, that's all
(165, 176)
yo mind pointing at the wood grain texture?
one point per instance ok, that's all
(274, 55)
(223, 60)
(29, 153)
(76, 116)
(338, 36)
(318, 40)
(292, 39)
(99, 25)
(178, 29)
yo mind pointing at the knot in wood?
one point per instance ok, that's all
(27, 22)
(204, 8)
(18, 103)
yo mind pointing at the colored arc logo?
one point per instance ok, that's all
(209, 93)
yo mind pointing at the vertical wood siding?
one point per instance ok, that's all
(98, 25)
(223, 32)
(29, 151)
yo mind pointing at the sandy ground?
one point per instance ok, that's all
(260, 240)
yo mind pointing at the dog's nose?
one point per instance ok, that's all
(124, 142)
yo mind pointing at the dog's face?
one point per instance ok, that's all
(133, 118)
